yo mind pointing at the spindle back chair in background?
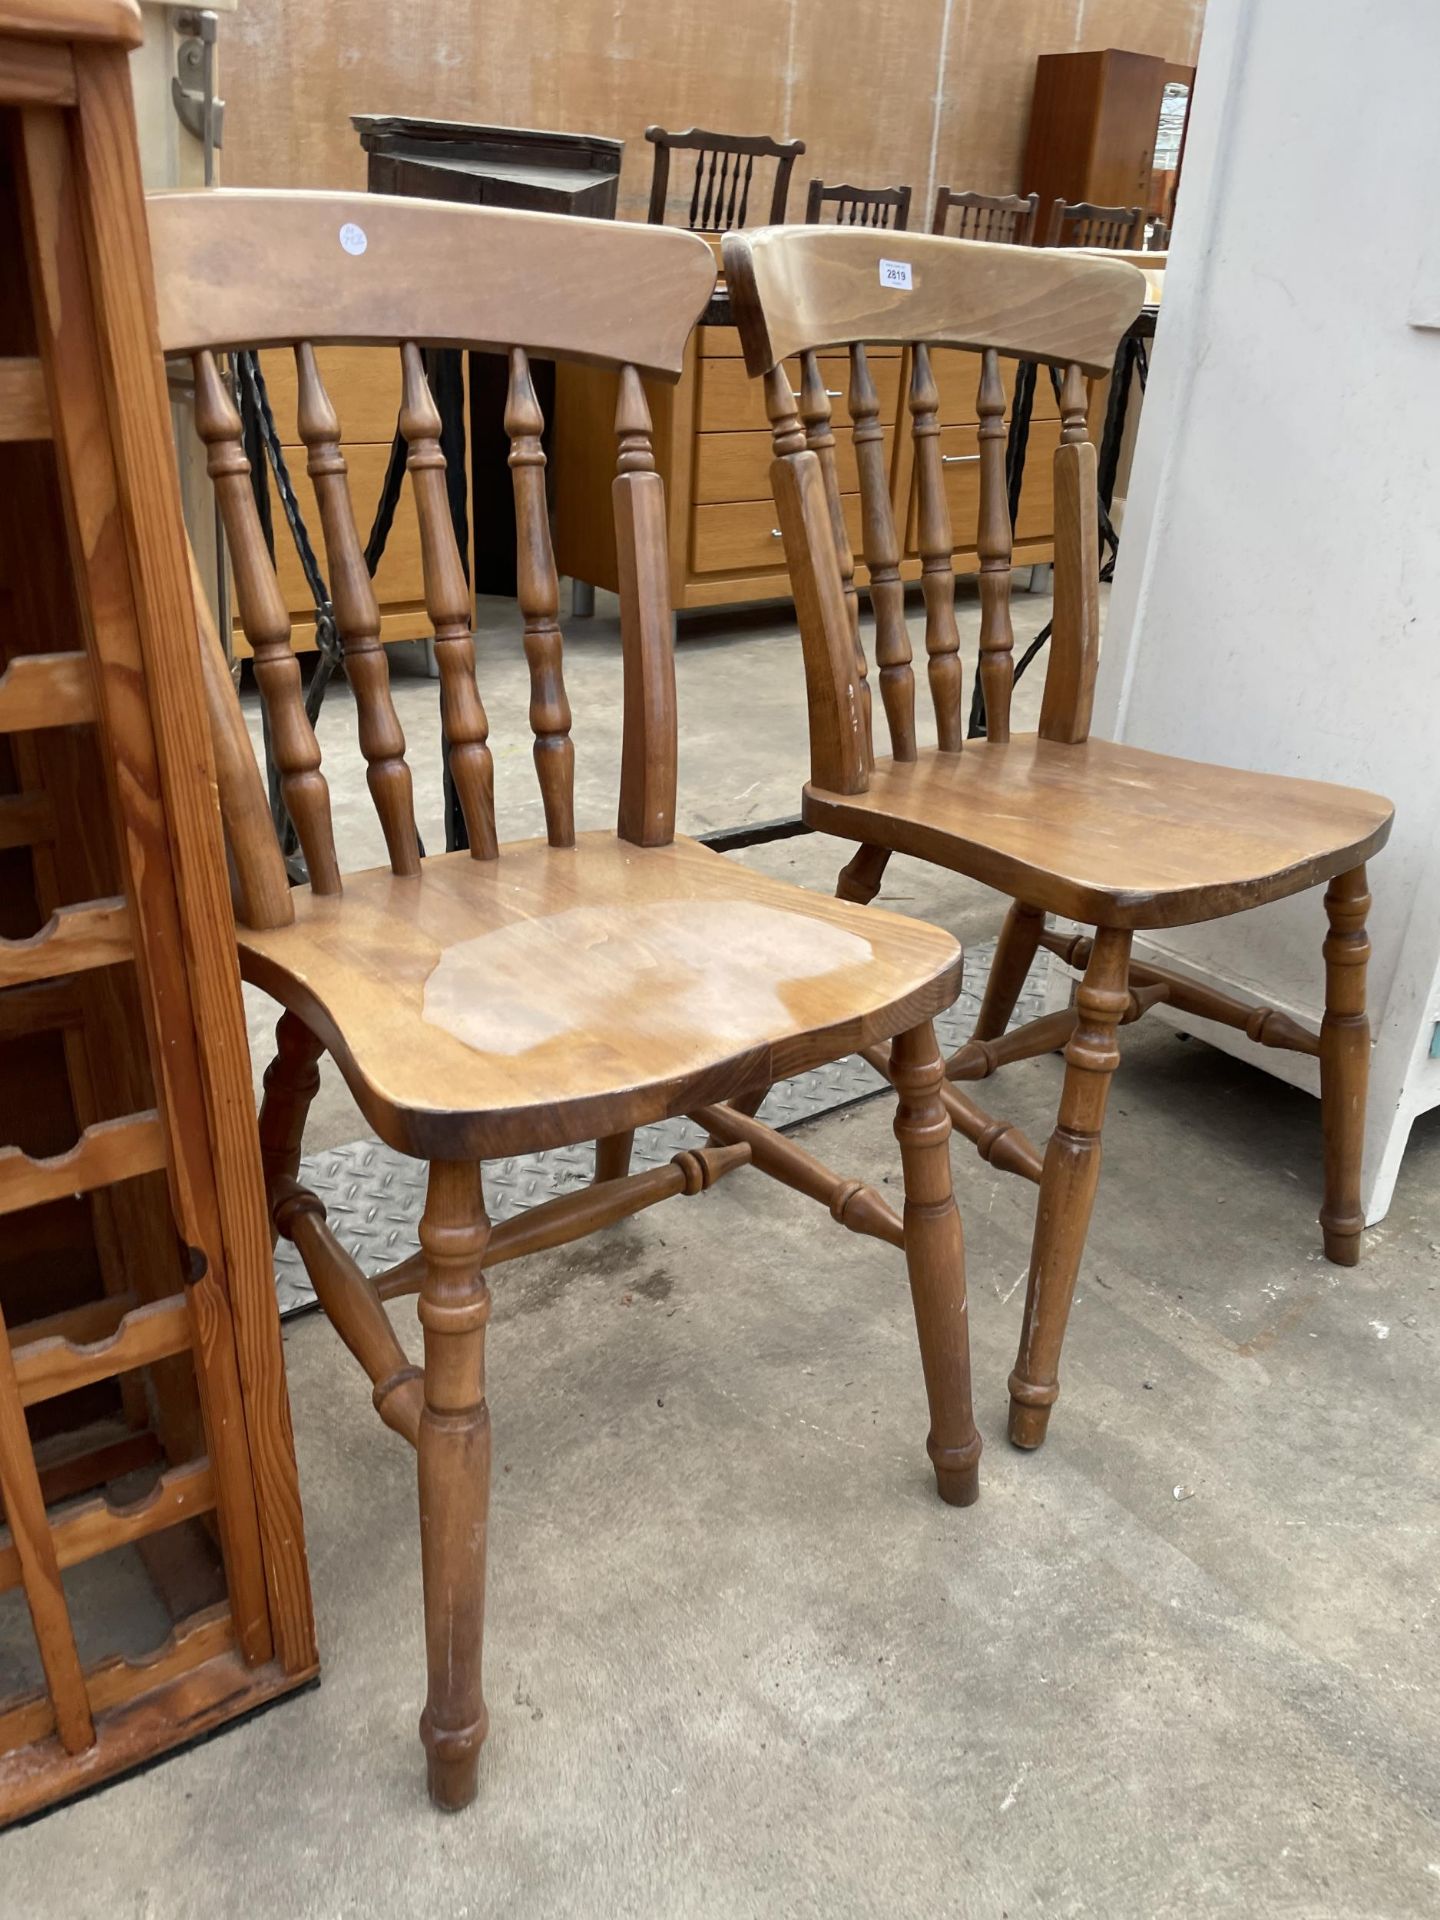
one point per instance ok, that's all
(1005, 218)
(1114, 837)
(1080, 223)
(858, 206)
(509, 999)
(724, 176)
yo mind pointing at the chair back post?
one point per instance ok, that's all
(807, 290)
(1069, 695)
(650, 742)
(820, 439)
(497, 294)
(840, 754)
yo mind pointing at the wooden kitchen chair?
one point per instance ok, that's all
(1080, 223)
(1006, 218)
(858, 206)
(1112, 836)
(509, 999)
(724, 175)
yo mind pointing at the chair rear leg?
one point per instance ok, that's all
(861, 875)
(612, 1155)
(1014, 955)
(454, 1477)
(1067, 1184)
(292, 1080)
(935, 1258)
(1344, 1064)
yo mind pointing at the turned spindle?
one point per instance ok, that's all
(538, 591)
(357, 619)
(447, 601)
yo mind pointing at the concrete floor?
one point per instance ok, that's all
(741, 1661)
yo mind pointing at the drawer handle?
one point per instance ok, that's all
(776, 534)
(958, 459)
(831, 393)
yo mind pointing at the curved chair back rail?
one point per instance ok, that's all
(794, 289)
(362, 267)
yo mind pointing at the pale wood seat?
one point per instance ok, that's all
(1096, 831)
(506, 999)
(646, 980)
(1061, 823)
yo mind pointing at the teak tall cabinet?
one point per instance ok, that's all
(1094, 118)
(152, 1565)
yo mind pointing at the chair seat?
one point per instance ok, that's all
(1110, 834)
(554, 995)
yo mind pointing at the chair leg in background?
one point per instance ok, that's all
(1344, 1064)
(292, 1081)
(861, 875)
(935, 1257)
(1014, 955)
(612, 1155)
(1067, 1184)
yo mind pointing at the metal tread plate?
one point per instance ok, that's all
(374, 1196)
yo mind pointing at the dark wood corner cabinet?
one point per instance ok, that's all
(153, 1580)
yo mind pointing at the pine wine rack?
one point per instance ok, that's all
(152, 1565)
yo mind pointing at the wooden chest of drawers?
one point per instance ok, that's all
(712, 445)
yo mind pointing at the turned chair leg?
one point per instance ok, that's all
(1014, 956)
(454, 1477)
(1067, 1184)
(612, 1155)
(935, 1258)
(1344, 1064)
(861, 875)
(292, 1081)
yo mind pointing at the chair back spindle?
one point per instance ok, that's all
(994, 544)
(882, 559)
(357, 619)
(937, 555)
(447, 601)
(266, 622)
(538, 590)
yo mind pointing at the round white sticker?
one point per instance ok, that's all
(352, 238)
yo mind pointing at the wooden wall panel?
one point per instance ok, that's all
(918, 91)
